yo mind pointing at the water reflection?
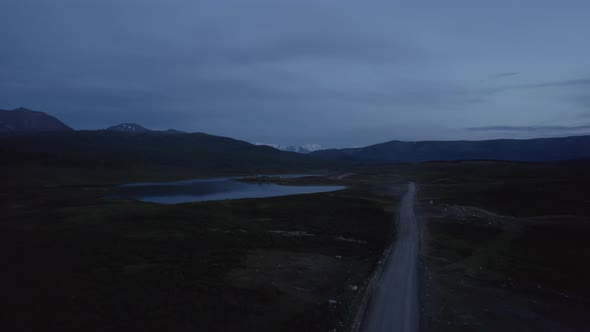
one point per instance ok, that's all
(212, 190)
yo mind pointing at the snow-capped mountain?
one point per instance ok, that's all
(137, 129)
(306, 148)
(313, 147)
(129, 128)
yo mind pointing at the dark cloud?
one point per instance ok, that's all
(565, 83)
(552, 84)
(481, 95)
(529, 128)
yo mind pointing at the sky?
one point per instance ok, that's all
(338, 73)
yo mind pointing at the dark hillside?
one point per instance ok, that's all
(24, 120)
(531, 150)
(108, 151)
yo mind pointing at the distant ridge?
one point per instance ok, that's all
(117, 150)
(531, 150)
(23, 120)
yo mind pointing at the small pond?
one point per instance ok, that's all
(213, 190)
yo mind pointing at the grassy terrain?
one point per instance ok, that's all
(504, 249)
(505, 246)
(76, 261)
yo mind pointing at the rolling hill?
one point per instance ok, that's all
(22, 120)
(530, 150)
(128, 153)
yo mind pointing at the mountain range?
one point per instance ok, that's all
(131, 143)
(23, 120)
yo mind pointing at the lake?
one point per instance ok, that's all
(213, 190)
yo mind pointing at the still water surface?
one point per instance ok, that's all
(212, 190)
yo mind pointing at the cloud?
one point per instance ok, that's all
(524, 86)
(305, 69)
(482, 93)
(529, 128)
(581, 101)
(507, 74)
(565, 83)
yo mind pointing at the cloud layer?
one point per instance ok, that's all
(338, 73)
(530, 128)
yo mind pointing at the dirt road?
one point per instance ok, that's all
(393, 305)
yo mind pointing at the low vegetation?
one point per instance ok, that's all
(504, 249)
(288, 263)
(505, 246)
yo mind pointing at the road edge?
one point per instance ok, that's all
(362, 308)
